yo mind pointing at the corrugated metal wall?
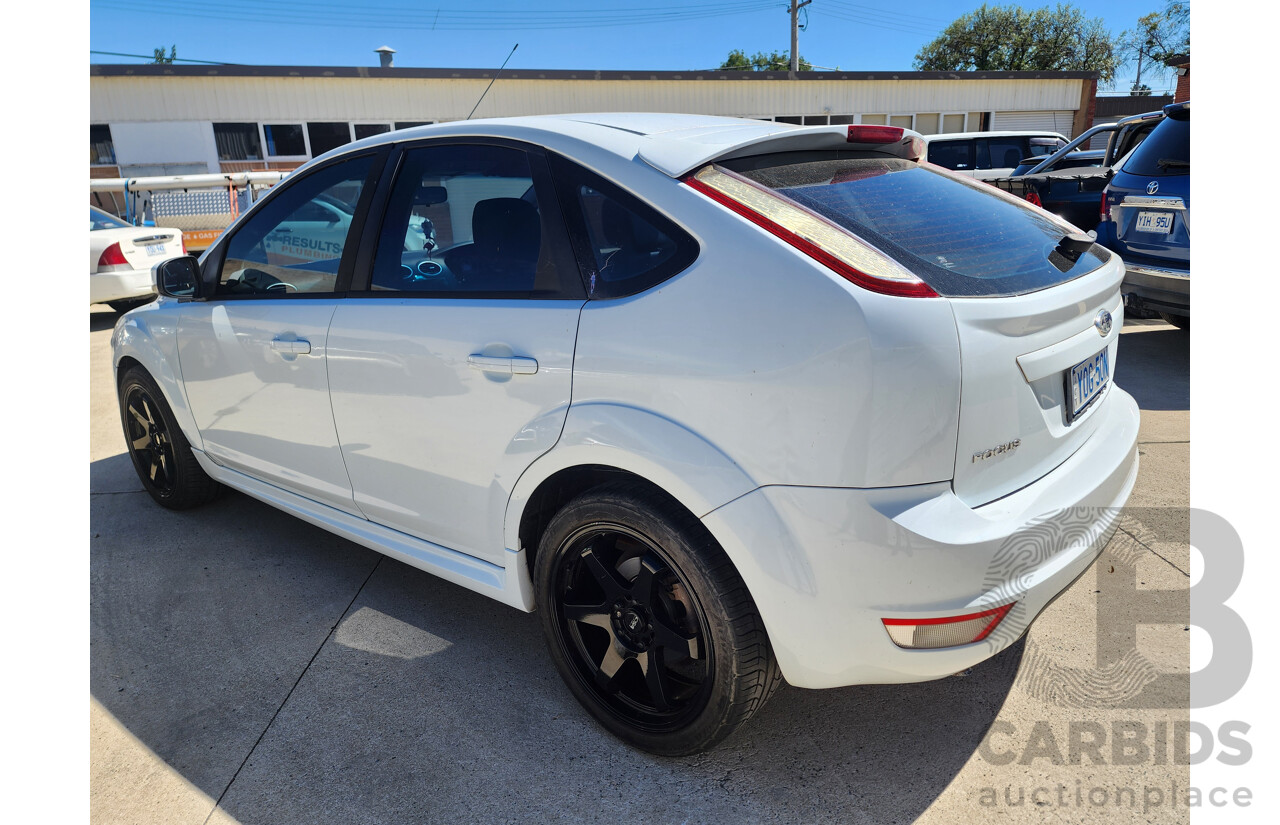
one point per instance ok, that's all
(1059, 121)
(293, 99)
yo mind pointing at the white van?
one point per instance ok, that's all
(986, 155)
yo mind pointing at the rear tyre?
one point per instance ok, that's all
(160, 452)
(1179, 321)
(648, 622)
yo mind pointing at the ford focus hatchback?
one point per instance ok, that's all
(727, 402)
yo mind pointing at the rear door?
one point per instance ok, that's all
(1151, 198)
(450, 367)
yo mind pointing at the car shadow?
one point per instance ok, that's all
(428, 702)
(101, 318)
(1154, 365)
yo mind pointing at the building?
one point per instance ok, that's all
(181, 119)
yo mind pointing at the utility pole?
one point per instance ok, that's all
(795, 35)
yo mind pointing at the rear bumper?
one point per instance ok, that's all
(119, 286)
(825, 565)
(1158, 288)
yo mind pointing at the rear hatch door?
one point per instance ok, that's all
(1150, 199)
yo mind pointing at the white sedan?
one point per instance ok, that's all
(728, 402)
(121, 256)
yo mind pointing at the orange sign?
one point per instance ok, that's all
(199, 239)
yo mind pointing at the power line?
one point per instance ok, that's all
(167, 59)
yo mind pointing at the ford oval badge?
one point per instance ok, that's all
(1103, 323)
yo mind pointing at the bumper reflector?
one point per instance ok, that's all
(948, 631)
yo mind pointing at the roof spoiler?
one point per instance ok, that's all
(678, 153)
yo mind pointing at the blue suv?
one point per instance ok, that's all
(1146, 218)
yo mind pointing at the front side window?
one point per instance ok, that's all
(467, 220)
(295, 241)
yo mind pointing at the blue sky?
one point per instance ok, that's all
(858, 35)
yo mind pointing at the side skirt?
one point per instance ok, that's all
(504, 584)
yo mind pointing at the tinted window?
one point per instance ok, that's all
(1169, 142)
(294, 243)
(624, 246)
(961, 238)
(467, 220)
(952, 154)
(997, 153)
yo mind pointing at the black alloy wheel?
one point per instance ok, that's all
(648, 621)
(632, 629)
(160, 452)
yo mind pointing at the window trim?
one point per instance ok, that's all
(550, 208)
(569, 176)
(267, 156)
(215, 256)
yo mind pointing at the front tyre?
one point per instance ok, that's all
(649, 623)
(160, 452)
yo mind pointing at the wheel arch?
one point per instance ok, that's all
(605, 442)
(137, 342)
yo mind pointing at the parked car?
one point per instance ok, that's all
(1146, 218)
(986, 155)
(1069, 182)
(727, 401)
(120, 259)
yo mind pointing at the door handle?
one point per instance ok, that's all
(298, 347)
(513, 365)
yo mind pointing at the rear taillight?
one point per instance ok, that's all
(1102, 209)
(866, 133)
(112, 256)
(182, 241)
(1034, 199)
(812, 234)
(948, 631)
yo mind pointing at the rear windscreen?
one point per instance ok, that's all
(1166, 152)
(959, 237)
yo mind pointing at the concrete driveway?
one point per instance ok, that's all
(246, 667)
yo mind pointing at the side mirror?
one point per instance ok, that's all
(177, 277)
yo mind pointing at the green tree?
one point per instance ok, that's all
(160, 56)
(737, 61)
(1014, 39)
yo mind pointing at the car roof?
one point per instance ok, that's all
(671, 143)
(971, 135)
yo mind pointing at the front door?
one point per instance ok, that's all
(253, 356)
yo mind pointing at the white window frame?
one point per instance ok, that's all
(306, 142)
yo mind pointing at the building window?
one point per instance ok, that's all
(797, 120)
(902, 121)
(364, 130)
(285, 139)
(326, 136)
(409, 124)
(874, 120)
(102, 152)
(952, 123)
(237, 141)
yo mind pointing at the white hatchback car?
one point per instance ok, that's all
(120, 259)
(728, 401)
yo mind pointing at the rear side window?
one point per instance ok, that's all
(1166, 151)
(623, 245)
(961, 238)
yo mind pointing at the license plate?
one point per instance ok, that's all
(1160, 223)
(155, 249)
(1085, 380)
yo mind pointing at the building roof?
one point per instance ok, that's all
(238, 70)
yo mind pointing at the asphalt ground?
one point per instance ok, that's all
(247, 667)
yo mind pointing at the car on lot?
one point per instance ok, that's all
(1146, 219)
(1069, 182)
(726, 401)
(986, 155)
(121, 256)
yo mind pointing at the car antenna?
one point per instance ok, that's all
(495, 77)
